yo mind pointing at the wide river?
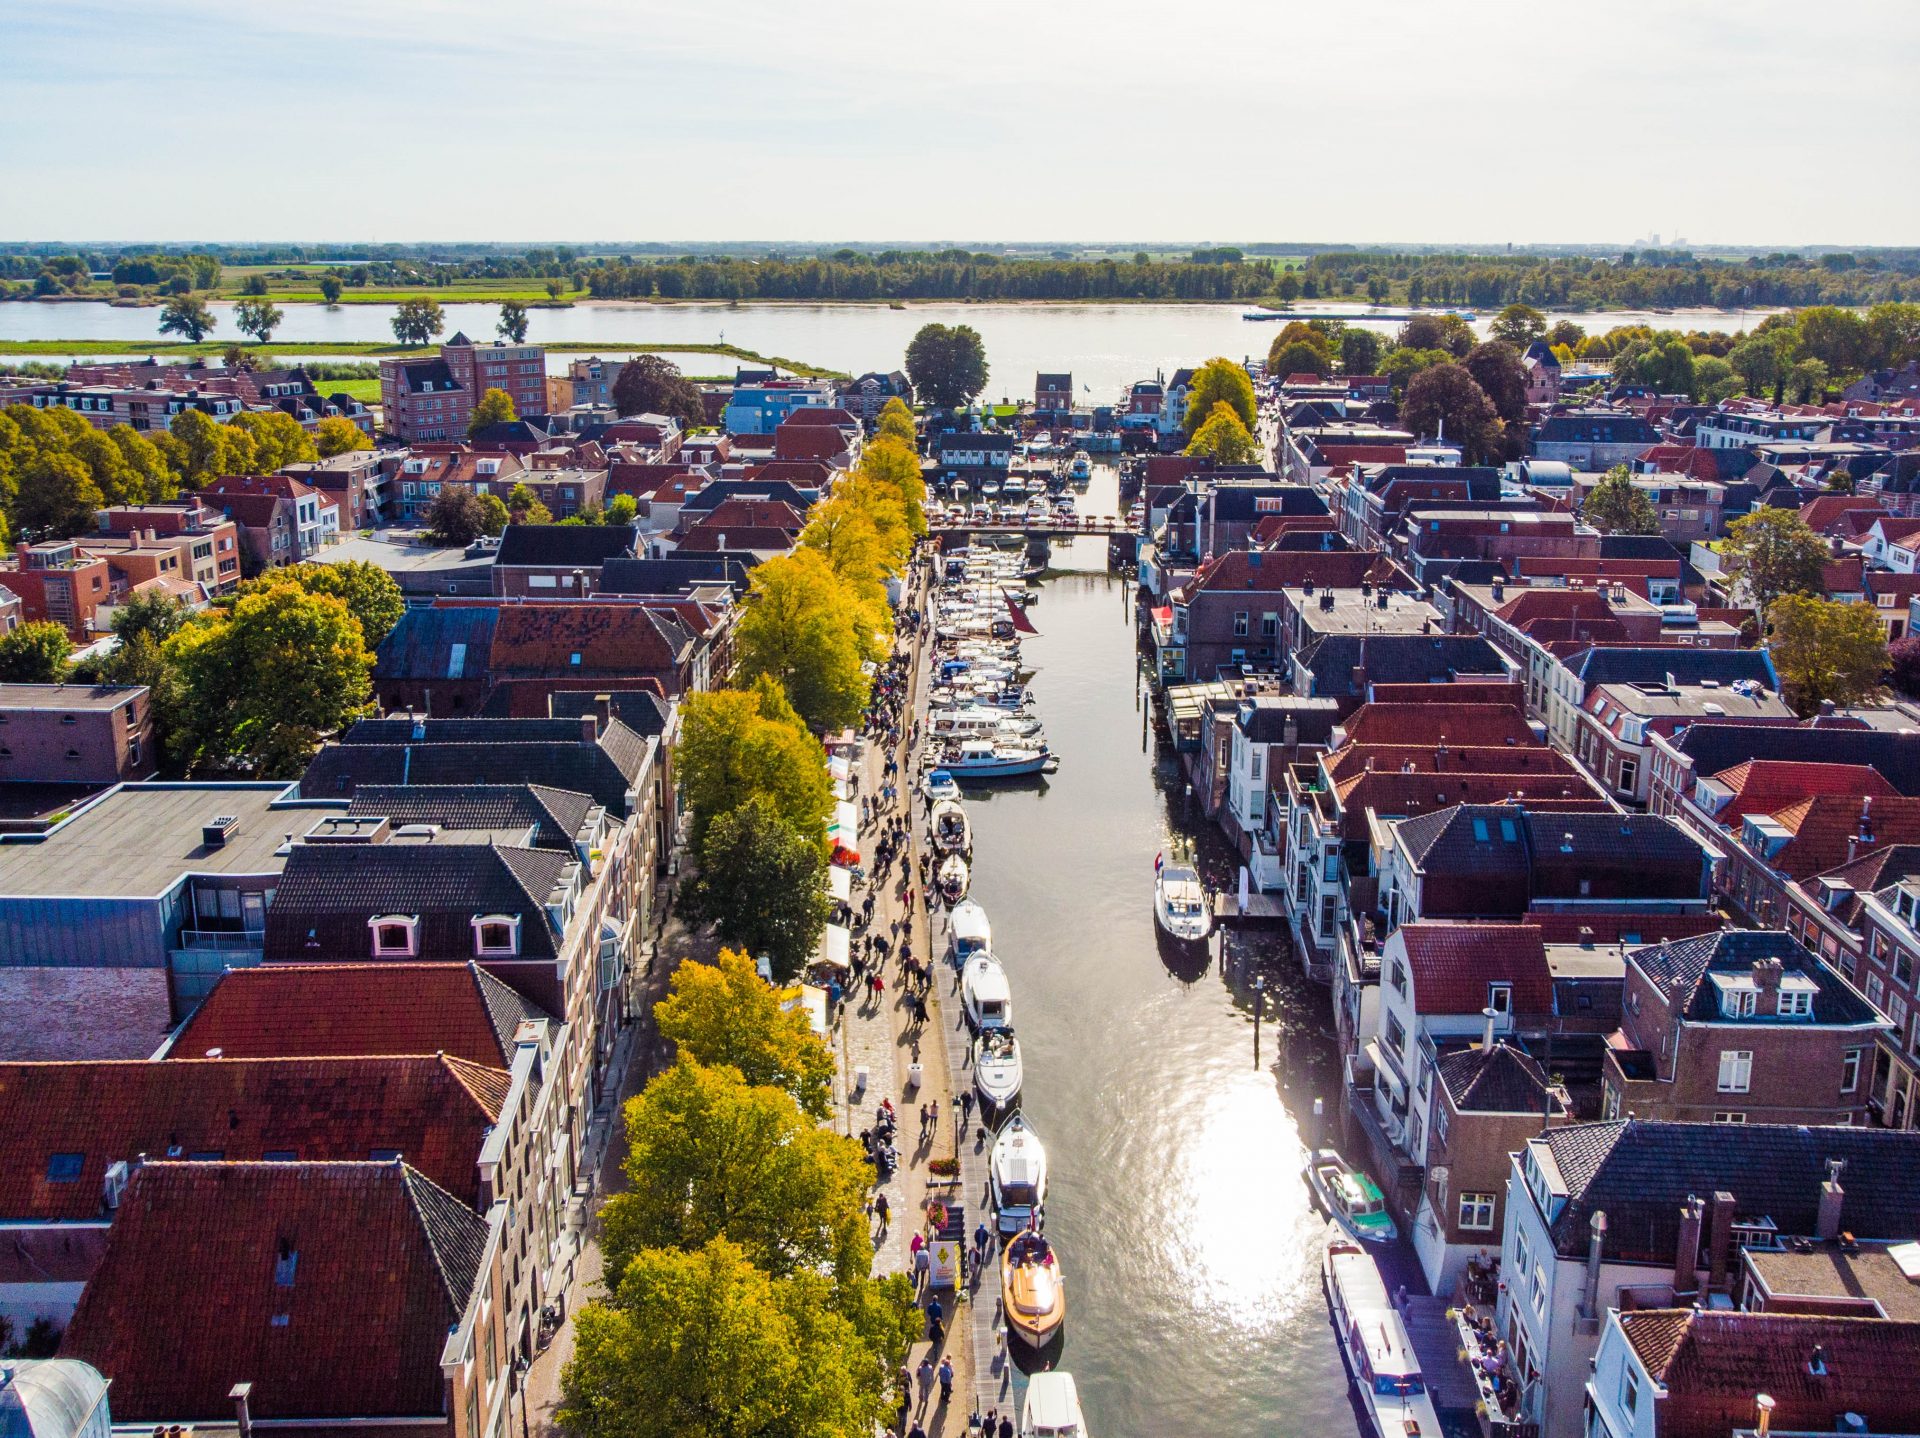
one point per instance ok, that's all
(1191, 1245)
(1106, 347)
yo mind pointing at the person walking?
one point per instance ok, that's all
(981, 1238)
(966, 1108)
(926, 1375)
(1006, 1426)
(922, 1267)
(946, 1380)
(884, 1212)
(935, 1316)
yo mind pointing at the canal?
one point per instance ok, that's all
(1191, 1246)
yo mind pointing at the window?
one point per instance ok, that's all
(1399, 977)
(1729, 1117)
(65, 1167)
(1850, 1070)
(1796, 1004)
(285, 1265)
(1239, 623)
(496, 934)
(1396, 1035)
(1476, 1212)
(1738, 1003)
(1736, 1070)
(1629, 1388)
(1269, 625)
(1500, 998)
(1902, 967)
(1629, 776)
(394, 937)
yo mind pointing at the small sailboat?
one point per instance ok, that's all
(997, 1071)
(1032, 1289)
(1180, 902)
(985, 993)
(952, 878)
(1053, 1408)
(1349, 1197)
(971, 932)
(1017, 1173)
(952, 834)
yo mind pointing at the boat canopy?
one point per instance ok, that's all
(971, 932)
(988, 982)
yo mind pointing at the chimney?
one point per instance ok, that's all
(1720, 1241)
(1499, 592)
(1491, 1015)
(1590, 1296)
(242, 1411)
(1686, 1251)
(1832, 1197)
(1763, 1403)
(589, 728)
(603, 709)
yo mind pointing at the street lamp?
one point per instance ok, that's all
(1259, 1004)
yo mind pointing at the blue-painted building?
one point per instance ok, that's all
(759, 406)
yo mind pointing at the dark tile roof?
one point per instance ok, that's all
(358, 1010)
(1642, 1171)
(645, 711)
(1452, 964)
(1439, 722)
(1637, 546)
(587, 546)
(329, 893)
(1396, 659)
(1680, 970)
(722, 490)
(423, 375)
(1501, 1079)
(1614, 856)
(1687, 664)
(1265, 717)
(1718, 747)
(605, 770)
(434, 1110)
(329, 1286)
(421, 645)
(619, 639)
(553, 816)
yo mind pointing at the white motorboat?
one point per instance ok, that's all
(997, 1072)
(1180, 903)
(984, 759)
(1082, 466)
(972, 934)
(985, 994)
(952, 878)
(1378, 1351)
(1017, 1173)
(1053, 1408)
(939, 784)
(952, 834)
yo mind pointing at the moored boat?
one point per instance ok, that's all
(952, 878)
(1374, 1341)
(971, 932)
(1180, 904)
(1033, 1291)
(985, 993)
(939, 784)
(952, 834)
(1349, 1197)
(1017, 1173)
(1052, 1408)
(985, 759)
(998, 1072)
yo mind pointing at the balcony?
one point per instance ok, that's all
(1498, 1405)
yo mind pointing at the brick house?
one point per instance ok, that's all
(58, 581)
(1889, 925)
(1052, 397)
(1230, 613)
(433, 398)
(1736, 1027)
(207, 545)
(75, 734)
(556, 560)
(281, 520)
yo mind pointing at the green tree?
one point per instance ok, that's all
(330, 289)
(947, 364)
(513, 322)
(1713, 379)
(259, 318)
(648, 384)
(187, 317)
(1447, 400)
(34, 653)
(799, 630)
(417, 321)
(1296, 357)
(1219, 381)
(1773, 552)
(1360, 350)
(706, 1345)
(1807, 381)
(210, 450)
(254, 285)
(495, 407)
(1841, 481)
(1757, 363)
(56, 496)
(556, 288)
(1616, 507)
(278, 441)
(494, 514)
(1496, 368)
(336, 434)
(454, 517)
(1223, 439)
(365, 588)
(763, 883)
(1826, 651)
(524, 507)
(261, 684)
(1400, 365)
(735, 744)
(896, 422)
(725, 1014)
(1518, 326)
(1667, 368)
(1838, 338)
(622, 509)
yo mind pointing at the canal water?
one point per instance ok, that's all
(1191, 1247)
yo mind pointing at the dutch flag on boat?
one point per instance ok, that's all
(1159, 861)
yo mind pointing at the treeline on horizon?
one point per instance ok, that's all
(1647, 279)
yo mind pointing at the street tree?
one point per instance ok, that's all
(1223, 439)
(336, 434)
(622, 509)
(947, 364)
(1518, 326)
(762, 882)
(259, 318)
(365, 588)
(495, 407)
(1825, 651)
(1218, 381)
(187, 317)
(1773, 552)
(799, 630)
(1496, 368)
(735, 744)
(1903, 666)
(1447, 400)
(417, 321)
(56, 497)
(895, 463)
(896, 422)
(724, 1013)
(494, 515)
(278, 440)
(649, 384)
(1616, 507)
(513, 322)
(34, 653)
(525, 507)
(1298, 357)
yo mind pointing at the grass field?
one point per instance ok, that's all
(367, 391)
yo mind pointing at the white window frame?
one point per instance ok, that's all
(1850, 1063)
(409, 922)
(1476, 1212)
(481, 922)
(1736, 1070)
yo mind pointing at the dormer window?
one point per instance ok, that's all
(1796, 1003)
(395, 936)
(1500, 998)
(496, 935)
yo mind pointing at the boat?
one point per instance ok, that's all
(1052, 1408)
(998, 1072)
(1180, 903)
(952, 878)
(1081, 467)
(985, 759)
(939, 784)
(1033, 1291)
(1375, 1344)
(971, 932)
(1017, 1173)
(1349, 1197)
(984, 992)
(952, 834)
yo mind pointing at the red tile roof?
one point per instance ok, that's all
(1460, 691)
(1761, 786)
(1898, 531)
(707, 538)
(1842, 514)
(1452, 963)
(618, 638)
(1828, 830)
(812, 414)
(1271, 570)
(433, 1110)
(329, 1287)
(1439, 723)
(753, 514)
(802, 441)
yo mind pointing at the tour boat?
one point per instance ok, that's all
(952, 878)
(952, 834)
(939, 784)
(1375, 1344)
(985, 993)
(997, 1072)
(1350, 1198)
(1017, 1173)
(984, 759)
(1053, 1408)
(971, 932)
(1033, 1291)
(1180, 903)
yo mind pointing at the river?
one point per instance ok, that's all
(1191, 1246)
(1106, 347)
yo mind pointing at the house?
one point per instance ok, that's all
(1741, 1026)
(1639, 1213)
(56, 580)
(557, 560)
(1710, 746)
(281, 520)
(1052, 397)
(355, 481)
(1266, 736)
(1592, 438)
(347, 1258)
(1372, 500)
(1618, 722)
(1568, 683)
(433, 398)
(1888, 920)
(76, 734)
(1543, 373)
(759, 406)
(961, 454)
(204, 546)
(436, 659)
(1228, 616)
(1881, 385)
(866, 396)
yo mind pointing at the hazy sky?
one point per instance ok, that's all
(1770, 121)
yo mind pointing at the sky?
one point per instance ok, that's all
(1426, 121)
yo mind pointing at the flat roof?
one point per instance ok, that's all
(1826, 1271)
(67, 696)
(406, 558)
(136, 840)
(1355, 613)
